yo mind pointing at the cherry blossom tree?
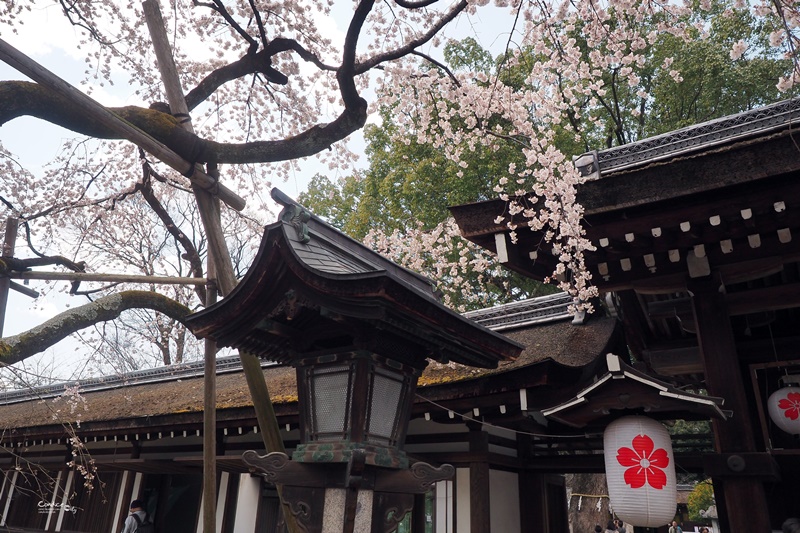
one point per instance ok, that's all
(267, 87)
(400, 201)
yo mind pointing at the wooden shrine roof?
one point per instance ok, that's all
(723, 194)
(625, 389)
(721, 197)
(311, 289)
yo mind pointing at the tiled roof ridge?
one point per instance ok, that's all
(724, 130)
(538, 310)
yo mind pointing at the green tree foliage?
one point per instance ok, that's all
(682, 82)
(700, 499)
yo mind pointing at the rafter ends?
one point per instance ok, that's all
(501, 247)
(674, 255)
(700, 250)
(779, 207)
(698, 266)
(604, 242)
(785, 235)
(754, 240)
(625, 263)
(715, 220)
(630, 237)
(747, 214)
(656, 232)
(686, 226)
(726, 246)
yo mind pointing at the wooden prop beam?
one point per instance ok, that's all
(107, 278)
(124, 129)
(220, 264)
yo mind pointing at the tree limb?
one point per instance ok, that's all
(20, 98)
(391, 55)
(16, 348)
(191, 254)
(252, 63)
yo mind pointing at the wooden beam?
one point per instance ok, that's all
(675, 361)
(124, 129)
(108, 278)
(738, 303)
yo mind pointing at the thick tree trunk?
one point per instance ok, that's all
(588, 502)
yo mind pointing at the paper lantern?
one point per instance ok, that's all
(784, 409)
(640, 471)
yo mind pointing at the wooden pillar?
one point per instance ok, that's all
(532, 509)
(479, 481)
(418, 521)
(745, 499)
(7, 251)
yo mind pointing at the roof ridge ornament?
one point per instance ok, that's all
(293, 213)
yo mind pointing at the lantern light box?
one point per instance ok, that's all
(640, 471)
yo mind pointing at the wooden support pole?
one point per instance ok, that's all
(745, 497)
(8, 251)
(218, 264)
(267, 421)
(124, 129)
(209, 209)
(220, 258)
(210, 425)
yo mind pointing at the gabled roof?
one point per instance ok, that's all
(311, 288)
(624, 389)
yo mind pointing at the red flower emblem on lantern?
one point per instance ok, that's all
(644, 464)
(791, 405)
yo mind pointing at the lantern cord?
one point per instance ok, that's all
(774, 350)
(501, 428)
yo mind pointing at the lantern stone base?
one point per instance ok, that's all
(349, 497)
(342, 452)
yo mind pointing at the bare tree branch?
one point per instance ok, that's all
(391, 55)
(191, 254)
(16, 348)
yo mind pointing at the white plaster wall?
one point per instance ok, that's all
(444, 507)
(462, 501)
(504, 502)
(247, 504)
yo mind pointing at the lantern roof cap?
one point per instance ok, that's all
(311, 288)
(626, 390)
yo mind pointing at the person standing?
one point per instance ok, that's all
(137, 510)
(675, 528)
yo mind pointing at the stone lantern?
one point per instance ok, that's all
(359, 330)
